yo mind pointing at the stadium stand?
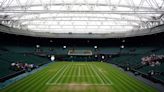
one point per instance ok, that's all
(128, 34)
(6, 58)
(5, 67)
(133, 61)
(129, 58)
(19, 49)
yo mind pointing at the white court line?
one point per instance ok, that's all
(93, 68)
(65, 84)
(78, 76)
(61, 74)
(58, 72)
(79, 72)
(102, 82)
(104, 75)
(49, 81)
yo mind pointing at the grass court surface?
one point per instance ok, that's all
(79, 77)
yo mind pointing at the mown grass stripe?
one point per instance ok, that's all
(93, 78)
(125, 77)
(65, 78)
(97, 75)
(28, 84)
(87, 79)
(28, 79)
(104, 77)
(121, 81)
(119, 75)
(58, 72)
(61, 74)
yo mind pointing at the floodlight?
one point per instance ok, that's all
(102, 57)
(37, 46)
(123, 40)
(95, 47)
(64, 47)
(122, 46)
(51, 40)
(52, 58)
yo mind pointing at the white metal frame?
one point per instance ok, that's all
(82, 16)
